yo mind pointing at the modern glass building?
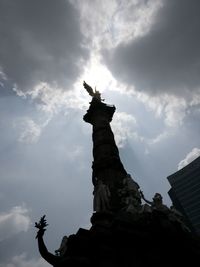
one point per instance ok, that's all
(185, 193)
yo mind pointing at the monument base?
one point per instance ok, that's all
(147, 239)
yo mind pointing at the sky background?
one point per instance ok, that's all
(143, 56)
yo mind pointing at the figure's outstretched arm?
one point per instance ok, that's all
(147, 201)
(49, 257)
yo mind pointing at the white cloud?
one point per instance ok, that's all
(123, 126)
(29, 130)
(71, 154)
(196, 99)
(22, 261)
(96, 18)
(107, 23)
(2, 74)
(76, 152)
(189, 158)
(53, 100)
(173, 109)
(158, 138)
(14, 221)
(132, 19)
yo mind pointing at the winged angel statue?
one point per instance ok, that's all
(96, 94)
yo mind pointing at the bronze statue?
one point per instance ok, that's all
(157, 203)
(62, 257)
(95, 94)
(49, 257)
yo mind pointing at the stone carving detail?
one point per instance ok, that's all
(63, 247)
(177, 216)
(130, 195)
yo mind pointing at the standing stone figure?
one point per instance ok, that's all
(101, 197)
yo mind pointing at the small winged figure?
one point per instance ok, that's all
(41, 226)
(96, 94)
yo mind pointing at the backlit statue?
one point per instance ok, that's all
(95, 94)
(49, 257)
(157, 203)
(62, 257)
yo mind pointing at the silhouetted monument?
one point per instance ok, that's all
(124, 232)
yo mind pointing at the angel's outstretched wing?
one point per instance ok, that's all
(88, 89)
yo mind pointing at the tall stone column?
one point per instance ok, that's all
(107, 166)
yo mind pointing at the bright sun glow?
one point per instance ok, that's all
(97, 75)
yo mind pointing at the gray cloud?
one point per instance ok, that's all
(167, 58)
(22, 261)
(13, 222)
(40, 41)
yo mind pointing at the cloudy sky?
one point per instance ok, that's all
(143, 55)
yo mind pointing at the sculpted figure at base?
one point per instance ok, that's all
(62, 259)
(130, 195)
(63, 247)
(177, 216)
(101, 197)
(49, 257)
(173, 214)
(157, 203)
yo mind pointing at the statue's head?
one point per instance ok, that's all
(157, 197)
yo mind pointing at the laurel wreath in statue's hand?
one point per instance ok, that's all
(41, 226)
